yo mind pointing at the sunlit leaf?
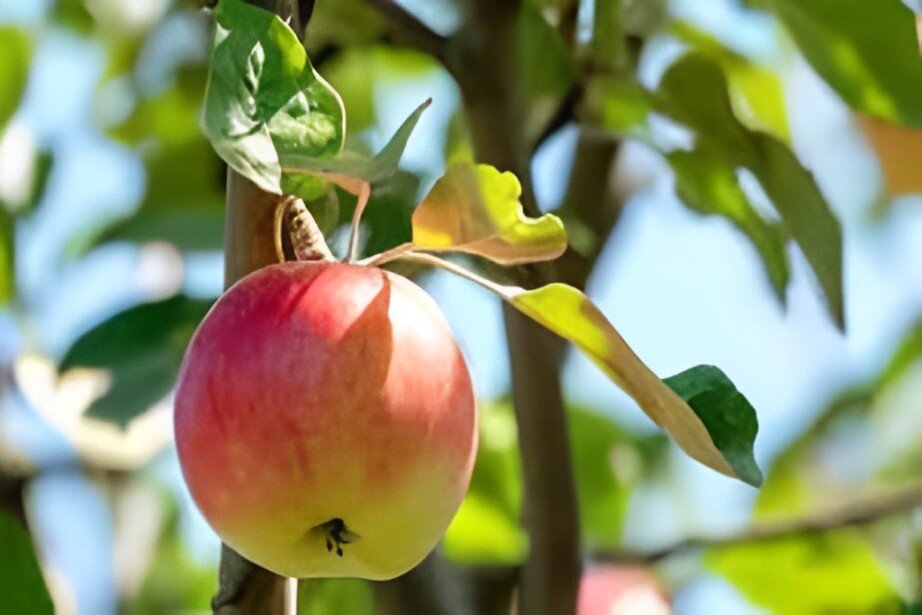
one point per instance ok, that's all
(756, 91)
(608, 461)
(142, 348)
(175, 582)
(486, 529)
(694, 91)
(715, 425)
(867, 51)
(866, 441)
(334, 596)
(805, 575)
(22, 588)
(264, 100)
(476, 209)
(344, 24)
(16, 55)
(707, 184)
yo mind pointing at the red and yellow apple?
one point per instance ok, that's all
(325, 421)
(621, 590)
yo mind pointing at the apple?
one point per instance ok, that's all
(621, 590)
(325, 421)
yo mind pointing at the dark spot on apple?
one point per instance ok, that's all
(336, 534)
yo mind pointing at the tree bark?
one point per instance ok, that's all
(249, 226)
(483, 57)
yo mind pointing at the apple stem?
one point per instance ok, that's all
(386, 256)
(306, 238)
(364, 193)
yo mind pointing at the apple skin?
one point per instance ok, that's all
(621, 590)
(325, 421)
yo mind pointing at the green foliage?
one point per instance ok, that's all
(729, 417)
(174, 581)
(708, 185)
(14, 70)
(357, 73)
(867, 51)
(873, 422)
(353, 165)
(334, 597)
(694, 91)
(142, 348)
(806, 575)
(545, 66)
(344, 23)
(22, 588)
(756, 92)
(608, 461)
(486, 529)
(183, 201)
(264, 100)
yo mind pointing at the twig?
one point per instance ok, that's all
(564, 114)
(412, 30)
(363, 196)
(387, 256)
(859, 513)
(486, 71)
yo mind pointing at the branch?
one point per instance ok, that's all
(858, 513)
(414, 32)
(485, 68)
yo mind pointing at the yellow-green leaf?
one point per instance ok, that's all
(805, 574)
(717, 429)
(476, 209)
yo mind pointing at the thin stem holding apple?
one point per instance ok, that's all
(363, 195)
(306, 238)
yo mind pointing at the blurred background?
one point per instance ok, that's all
(111, 206)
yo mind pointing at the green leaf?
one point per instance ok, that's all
(804, 575)
(486, 529)
(264, 100)
(14, 70)
(608, 461)
(334, 596)
(386, 221)
(727, 414)
(142, 348)
(867, 51)
(545, 68)
(707, 184)
(356, 166)
(344, 24)
(756, 92)
(694, 92)
(476, 209)
(22, 587)
(7, 257)
(718, 429)
(174, 582)
(184, 201)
